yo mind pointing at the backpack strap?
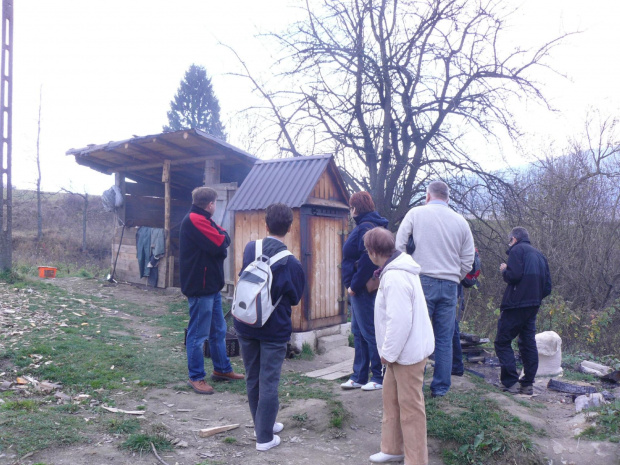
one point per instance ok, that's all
(279, 256)
(258, 251)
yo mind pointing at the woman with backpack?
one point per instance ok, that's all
(263, 347)
(357, 272)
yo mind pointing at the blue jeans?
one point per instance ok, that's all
(363, 329)
(263, 365)
(515, 322)
(457, 352)
(440, 295)
(206, 322)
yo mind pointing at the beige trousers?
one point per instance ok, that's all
(404, 416)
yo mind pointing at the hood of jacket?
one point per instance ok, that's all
(371, 217)
(403, 262)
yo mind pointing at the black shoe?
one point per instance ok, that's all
(457, 373)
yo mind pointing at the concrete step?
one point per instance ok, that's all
(327, 343)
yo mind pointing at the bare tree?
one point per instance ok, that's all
(392, 87)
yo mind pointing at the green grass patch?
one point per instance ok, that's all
(20, 405)
(338, 415)
(476, 430)
(229, 440)
(306, 352)
(300, 418)
(606, 425)
(29, 431)
(351, 340)
(123, 426)
(141, 443)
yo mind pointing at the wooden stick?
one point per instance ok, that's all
(205, 433)
(162, 461)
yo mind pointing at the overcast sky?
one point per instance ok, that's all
(108, 70)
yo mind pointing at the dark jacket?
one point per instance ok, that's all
(357, 268)
(527, 275)
(288, 281)
(203, 247)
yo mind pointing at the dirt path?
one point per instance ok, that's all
(183, 413)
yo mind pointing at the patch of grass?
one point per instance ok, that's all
(351, 340)
(123, 426)
(20, 405)
(607, 423)
(338, 414)
(300, 417)
(306, 352)
(476, 430)
(142, 443)
(210, 462)
(572, 375)
(66, 408)
(229, 440)
(39, 429)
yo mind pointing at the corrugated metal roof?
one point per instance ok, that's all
(288, 180)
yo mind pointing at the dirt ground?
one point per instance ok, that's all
(310, 442)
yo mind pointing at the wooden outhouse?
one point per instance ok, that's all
(156, 175)
(314, 189)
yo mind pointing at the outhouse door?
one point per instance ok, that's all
(322, 257)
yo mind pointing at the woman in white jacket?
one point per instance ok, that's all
(405, 339)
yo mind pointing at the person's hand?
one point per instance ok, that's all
(502, 267)
(350, 292)
(384, 361)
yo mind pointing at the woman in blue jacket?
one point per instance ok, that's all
(357, 269)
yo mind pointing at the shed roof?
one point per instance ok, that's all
(142, 158)
(287, 180)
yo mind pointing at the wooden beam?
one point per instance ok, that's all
(165, 178)
(160, 164)
(178, 148)
(119, 181)
(212, 172)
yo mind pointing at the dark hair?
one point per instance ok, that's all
(279, 218)
(519, 233)
(439, 190)
(380, 241)
(203, 196)
(362, 202)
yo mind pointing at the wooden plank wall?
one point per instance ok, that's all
(324, 277)
(326, 189)
(249, 226)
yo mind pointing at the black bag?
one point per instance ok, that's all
(410, 245)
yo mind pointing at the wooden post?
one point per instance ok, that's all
(119, 181)
(212, 172)
(165, 178)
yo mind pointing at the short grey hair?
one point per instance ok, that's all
(439, 190)
(519, 233)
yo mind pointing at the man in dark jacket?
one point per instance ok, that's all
(203, 247)
(528, 282)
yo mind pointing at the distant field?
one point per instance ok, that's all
(62, 234)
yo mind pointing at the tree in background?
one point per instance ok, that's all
(393, 87)
(195, 105)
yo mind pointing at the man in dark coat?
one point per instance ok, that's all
(528, 282)
(203, 247)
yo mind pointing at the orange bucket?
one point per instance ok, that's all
(47, 272)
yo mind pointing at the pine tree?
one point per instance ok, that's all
(195, 105)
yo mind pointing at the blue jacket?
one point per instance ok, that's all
(357, 268)
(288, 281)
(527, 277)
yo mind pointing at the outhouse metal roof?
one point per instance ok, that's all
(287, 180)
(142, 158)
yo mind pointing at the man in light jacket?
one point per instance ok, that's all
(444, 249)
(404, 336)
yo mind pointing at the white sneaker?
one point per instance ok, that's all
(277, 427)
(372, 386)
(350, 385)
(268, 445)
(380, 457)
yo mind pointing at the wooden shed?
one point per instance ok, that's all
(314, 189)
(156, 175)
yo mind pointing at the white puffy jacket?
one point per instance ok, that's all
(403, 328)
